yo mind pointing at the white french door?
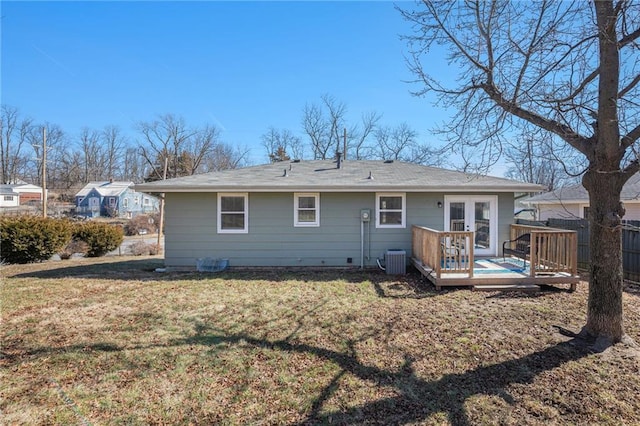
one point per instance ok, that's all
(477, 213)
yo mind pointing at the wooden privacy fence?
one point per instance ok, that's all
(630, 243)
(443, 251)
(552, 250)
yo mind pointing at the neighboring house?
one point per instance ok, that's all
(113, 199)
(572, 202)
(8, 196)
(29, 193)
(326, 213)
(22, 194)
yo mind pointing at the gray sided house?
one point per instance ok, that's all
(572, 202)
(325, 213)
(114, 199)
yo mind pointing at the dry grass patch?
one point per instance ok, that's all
(109, 341)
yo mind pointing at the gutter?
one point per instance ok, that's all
(355, 189)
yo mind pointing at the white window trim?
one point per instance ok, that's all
(404, 209)
(246, 213)
(125, 203)
(296, 197)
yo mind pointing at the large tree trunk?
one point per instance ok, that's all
(604, 314)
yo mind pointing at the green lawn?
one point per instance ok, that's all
(109, 341)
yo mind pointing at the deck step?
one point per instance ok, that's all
(507, 287)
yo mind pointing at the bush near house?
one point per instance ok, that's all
(74, 246)
(101, 238)
(141, 248)
(143, 222)
(26, 239)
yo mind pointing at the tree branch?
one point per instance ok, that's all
(629, 87)
(565, 132)
(631, 137)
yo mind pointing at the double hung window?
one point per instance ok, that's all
(233, 213)
(390, 210)
(306, 209)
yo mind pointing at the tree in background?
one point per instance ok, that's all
(281, 144)
(325, 123)
(225, 157)
(536, 158)
(114, 143)
(56, 146)
(187, 150)
(401, 143)
(14, 132)
(568, 68)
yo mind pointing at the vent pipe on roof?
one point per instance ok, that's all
(370, 176)
(286, 173)
(339, 155)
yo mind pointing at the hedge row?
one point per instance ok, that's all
(26, 239)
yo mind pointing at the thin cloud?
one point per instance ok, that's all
(54, 60)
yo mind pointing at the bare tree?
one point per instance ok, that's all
(569, 68)
(167, 137)
(394, 141)
(225, 157)
(113, 143)
(14, 132)
(92, 151)
(325, 125)
(188, 150)
(55, 152)
(401, 143)
(535, 158)
(133, 165)
(71, 170)
(318, 130)
(204, 143)
(359, 147)
(282, 141)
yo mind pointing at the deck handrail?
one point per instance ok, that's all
(443, 251)
(552, 250)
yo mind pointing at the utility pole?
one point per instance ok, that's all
(345, 144)
(161, 225)
(44, 171)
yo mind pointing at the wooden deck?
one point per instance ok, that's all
(447, 259)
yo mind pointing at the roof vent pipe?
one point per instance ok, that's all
(370, 176)
(286, 173)
(339, 155)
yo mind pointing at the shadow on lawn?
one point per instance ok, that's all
(417, 398)
(409, 286)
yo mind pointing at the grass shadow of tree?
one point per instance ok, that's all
(417, 398)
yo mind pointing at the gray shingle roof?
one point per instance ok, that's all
(105, 188)
(323, 175)
(7, 190)
(578, 193)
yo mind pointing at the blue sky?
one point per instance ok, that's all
(243, 66)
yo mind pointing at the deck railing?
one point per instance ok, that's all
(552, 250)
(443, 251)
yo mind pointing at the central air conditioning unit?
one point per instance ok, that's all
(395, 262)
